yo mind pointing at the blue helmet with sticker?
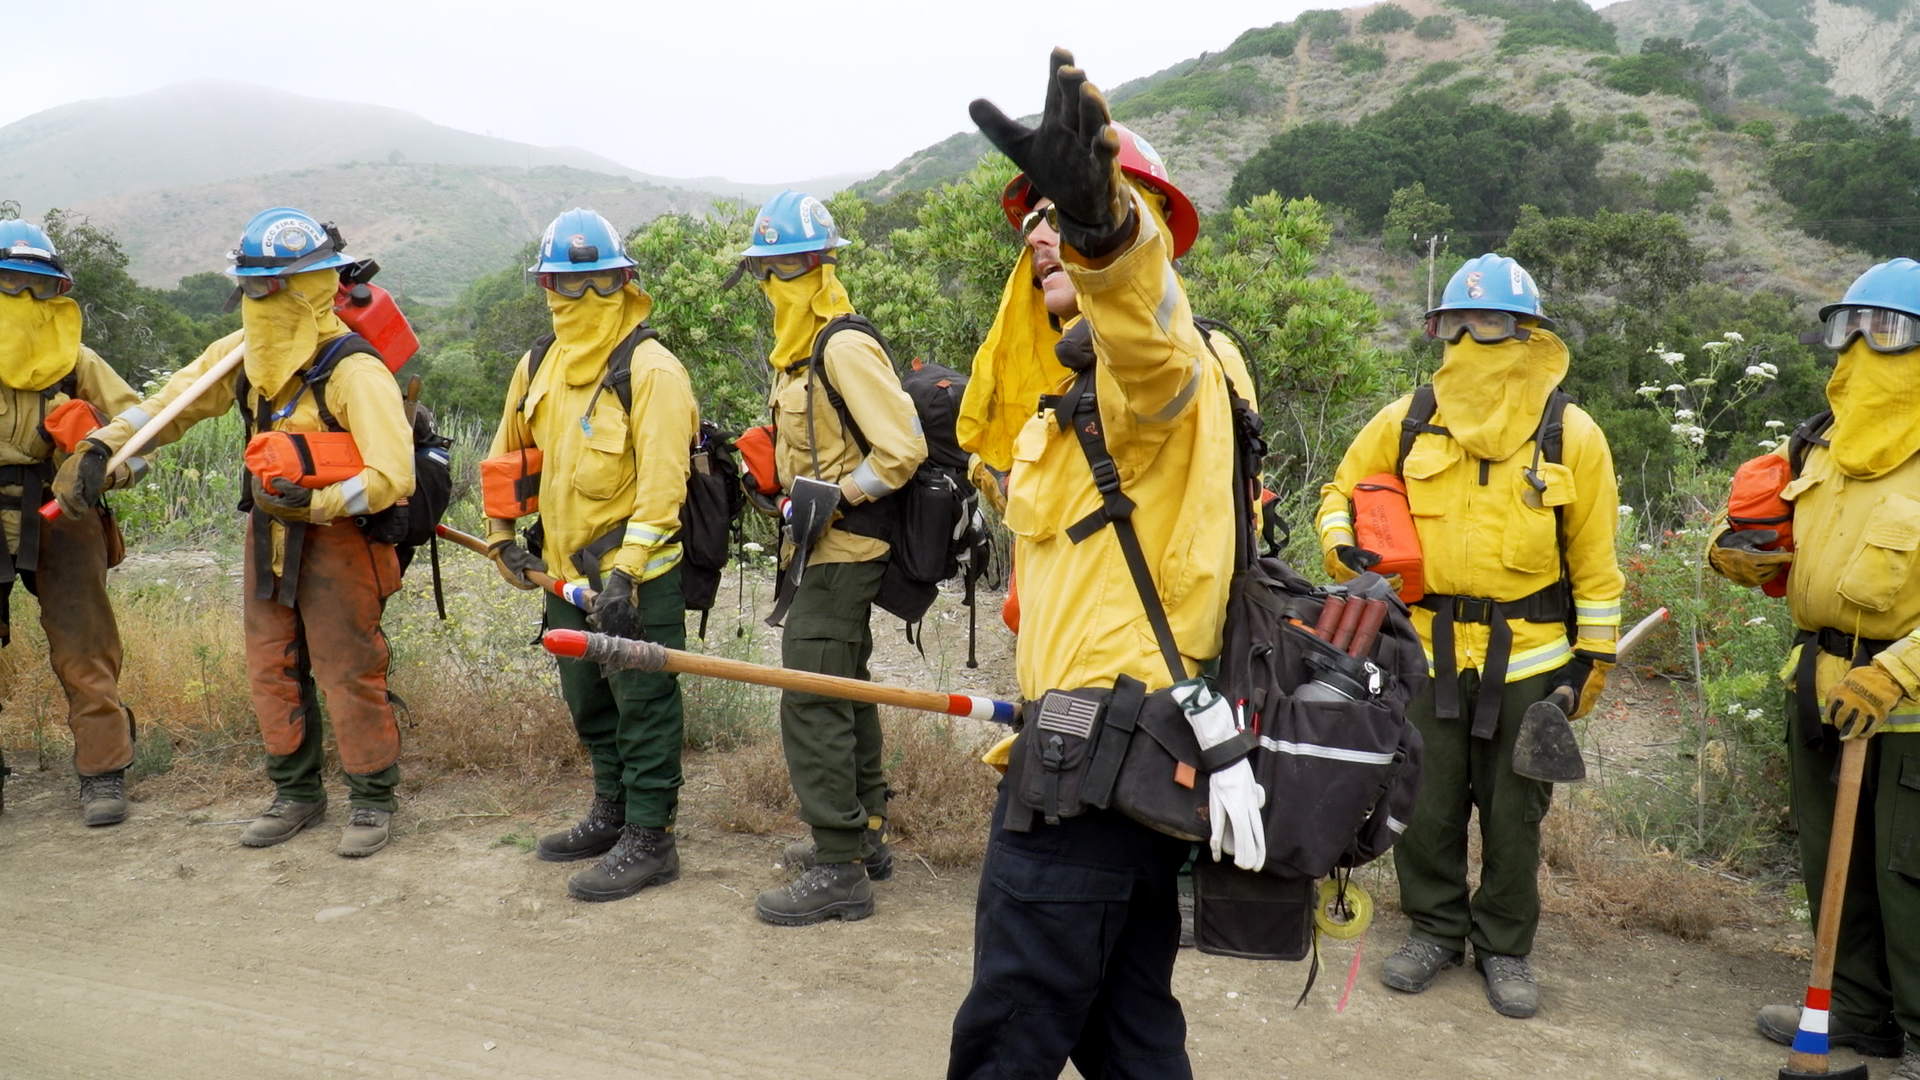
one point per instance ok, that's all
(1893, 285)
(1492, 283)
(26, 247)
(282, 242)
(580, 241)
(794, 222)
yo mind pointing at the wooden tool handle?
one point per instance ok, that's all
(1846, 806)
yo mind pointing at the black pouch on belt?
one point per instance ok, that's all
(1058, 743)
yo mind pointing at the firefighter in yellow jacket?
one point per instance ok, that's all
(317, 571)
(1855, 668)
(1513, 498)
(1078, 923)
(613, 414)
(49, 380)
(846, 437)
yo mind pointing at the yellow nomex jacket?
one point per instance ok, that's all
(1484, 534)
(1169, 427)
(602, 465)
(21, 412)
(860, 372)
(362, 396)
(1854, 543)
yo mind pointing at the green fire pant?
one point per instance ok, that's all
(1876, 971)
(300, 775)
(833, 745)
(631, 722)
(1458, 775)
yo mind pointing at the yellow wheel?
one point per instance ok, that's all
(1343, 913)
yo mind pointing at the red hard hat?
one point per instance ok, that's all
(1139, 160)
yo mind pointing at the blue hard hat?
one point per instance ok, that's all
(580, 241)
(793, 222)
(1492, 283)
(26, 246)
(282, 242)
(1894, 285)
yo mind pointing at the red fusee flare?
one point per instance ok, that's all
(571, 643)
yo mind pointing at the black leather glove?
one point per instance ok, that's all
(1072, 158)
(1357, 559)
(284, 499)
(514, 561)
(82, 477)
(616, 612)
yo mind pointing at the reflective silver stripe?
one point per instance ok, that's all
(1535, 661)
(139, 466)
(646, 535)
(1331, 753)
(1597, 609)
(1338, 519)
(1395, 825)
(136, 416)
(869, 482)
(915, 426)
(1180, 399)
(660, 564)
(354, 490)
(1169, 300)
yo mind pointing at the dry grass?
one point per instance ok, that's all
(943, 796)
(1597, 879)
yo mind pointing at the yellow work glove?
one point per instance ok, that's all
(513, 561)
(1585, 675)
(284, 500)
(1347, 561)
(989, 482)
(1859, 706)
(1736, 556)
(82, 477)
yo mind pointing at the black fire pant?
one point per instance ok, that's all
(1075, 934)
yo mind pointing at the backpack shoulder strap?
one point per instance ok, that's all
(816, 364)
(1812, 432)
(1417, 423)
(619, 376)
(330, 356)
(535, 354)
(1553, 426)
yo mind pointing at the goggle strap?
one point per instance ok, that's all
(739, 271)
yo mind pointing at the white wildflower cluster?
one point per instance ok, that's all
(1648, 392)
(1625, 510)
(1733, 336)
(1775, 425)
(1676, 388)
(1671, 359)
(1763, 371)
(1693, 433)
(1683, 414)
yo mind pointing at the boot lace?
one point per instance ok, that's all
(363, 817)
(112, 786)
(1508, 969)
(602, 815)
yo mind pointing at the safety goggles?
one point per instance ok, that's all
(1487, 327)
(574, 285)
(259, 288)
(785, 267)
(42, 286)
(1884, 331)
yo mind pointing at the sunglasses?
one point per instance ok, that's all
(786, 267)
(1884, 331)
(42, 286)
(1487, 327)
(1037, 215)
(574, 285)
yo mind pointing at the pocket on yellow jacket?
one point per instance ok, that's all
(1878, 571)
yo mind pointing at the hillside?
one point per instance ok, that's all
(433, 227)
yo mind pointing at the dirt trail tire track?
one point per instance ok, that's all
(160, 949)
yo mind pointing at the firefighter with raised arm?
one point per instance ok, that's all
(1506, 508)
(317, 569)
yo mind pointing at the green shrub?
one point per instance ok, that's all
(1358, 58)
(1388, 18)
(1207, 92)
(1635, 119)
(1322, 26)
(1856, 175)
(1435, 73)
(1680, 190)
(1719, 214)
(1667, 66)
(1434, 28)
(1539, 24)
(1276, 40)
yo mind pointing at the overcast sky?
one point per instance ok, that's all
(752, 90)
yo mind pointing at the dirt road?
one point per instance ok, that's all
(161, 949)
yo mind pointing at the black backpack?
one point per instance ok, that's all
(933, 522)
(709, 515)
(408, 524)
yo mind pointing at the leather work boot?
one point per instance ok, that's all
(103, 799)
(277, 823)
(366, 832)
(589, 838)
(642, 856)
(826, 891)
(1781, 1022)
(800, 855)
(1416, 963)
(1511, 988)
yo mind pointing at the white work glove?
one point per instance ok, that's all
(1234, 797)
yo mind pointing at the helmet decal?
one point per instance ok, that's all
(288, 234)
(767, 231)
(1474, 289)
(1147, 151)
(1518, 278)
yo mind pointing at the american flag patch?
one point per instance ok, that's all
(1068, 714)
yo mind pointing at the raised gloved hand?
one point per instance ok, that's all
(513, 562)
(1859, 706)
(1348, 561)
(1583, 678)
(1736, 556)
(281, 498)
(82, 477)
(1072, 158)
(617, 611)
(1234, 797)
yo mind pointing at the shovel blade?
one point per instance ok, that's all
(1546, 748)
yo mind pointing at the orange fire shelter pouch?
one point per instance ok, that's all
(756, 453)
(312, 460)
(1756, 504)
(1383, 524)
(510, 484)
(65, 426)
